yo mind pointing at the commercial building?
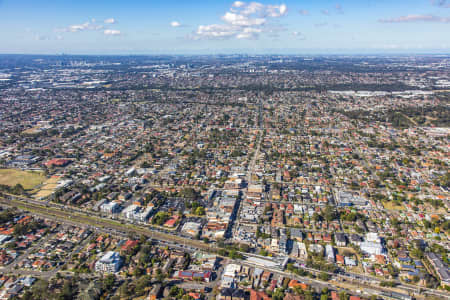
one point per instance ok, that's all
(109, 263)
(372, 248)
(191, 228)
(440, 268)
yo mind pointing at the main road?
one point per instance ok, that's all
(82, 219)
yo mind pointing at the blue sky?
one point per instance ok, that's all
(216, 26)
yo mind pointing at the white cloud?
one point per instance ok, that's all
(252, 8)
(246, 36)
(253, 29)
(91, 25)
(276, 11)
(243, 21)
(238, 4)
(249, 33)
(283, 9)
(81, 27)
(110, 21)
(175, 24)
(416, 18)
(325, 12)
(111, 32)
(215, 31)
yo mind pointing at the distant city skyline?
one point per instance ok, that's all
(213, 27)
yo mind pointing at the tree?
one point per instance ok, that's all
(317, 217)
(278, 294)
(189, 193)
(40, 290)
(159, 276)
(343, 296)
(416, 252)
(109, 281)
(330, 213)
(6, 216)
(235, 255)
(19, 230)
(68, 290)
(138, 271)
(92, 292)
(200, 211)
(324, 276)
(141, 284)
(244, 247)
(388, 283)
(176, 291)
(18, 189)
(160, 218)
(28, 295)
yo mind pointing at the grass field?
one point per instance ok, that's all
(48, 188)
(28, 179)
(392, 206)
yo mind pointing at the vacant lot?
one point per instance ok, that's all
(28, 179)
(48, 188)
(391, 205)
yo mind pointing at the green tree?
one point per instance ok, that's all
(40, 290)
(324, 276)
(142, 283)
(109, 281)
(278, 294)
(343, 296)
(200, 211)
(329, 213)
(160, 218)
(68, 290)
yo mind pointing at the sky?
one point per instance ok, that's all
(222, 27)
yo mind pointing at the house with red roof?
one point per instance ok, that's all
(190, 275)
(129, 245)
(256, 295)
(57, 162)
(172, 221)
